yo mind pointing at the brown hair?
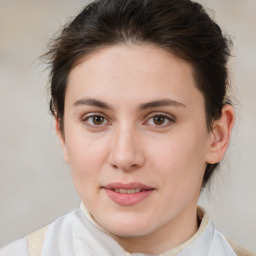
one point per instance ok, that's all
(180, 26)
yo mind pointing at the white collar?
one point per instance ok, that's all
(201, 239)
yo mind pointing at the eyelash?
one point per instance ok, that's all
(86, 119)
(167, 120)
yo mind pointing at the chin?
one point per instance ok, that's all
(131, 232)
(132, 228)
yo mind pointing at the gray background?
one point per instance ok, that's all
(35, 183)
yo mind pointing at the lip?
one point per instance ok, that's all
(128, 199)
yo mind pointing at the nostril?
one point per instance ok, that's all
(125, 168)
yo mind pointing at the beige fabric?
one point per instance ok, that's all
(240, 251)
(204, 220)
(35, 241)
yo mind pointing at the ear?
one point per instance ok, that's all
(220, 135)
(61, 137)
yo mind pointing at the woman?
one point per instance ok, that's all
(139, 95)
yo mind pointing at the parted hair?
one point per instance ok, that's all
(181, 27)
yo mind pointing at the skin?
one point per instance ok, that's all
(125, 143)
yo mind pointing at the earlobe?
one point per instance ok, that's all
(220, 135)
(61, 139)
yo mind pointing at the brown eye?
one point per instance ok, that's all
(159, 120)
(95, 120)
(98, 120)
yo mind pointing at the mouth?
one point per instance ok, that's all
(128, 194)
(128, 191)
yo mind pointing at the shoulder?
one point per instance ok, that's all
(226, 245)
(17, 248)
(220, 244)
(33, 242)
(240, 251)
(28, 246)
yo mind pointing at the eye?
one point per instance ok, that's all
(97, 120)
(94, 120)
(161, 120)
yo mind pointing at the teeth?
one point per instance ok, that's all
(127, 191)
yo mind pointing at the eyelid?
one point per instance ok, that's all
(85, 117)
(168, 116)
(90, 114)
(164, 114)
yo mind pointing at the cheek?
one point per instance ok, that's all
(180, 159)
(86, 155)
(86, 160)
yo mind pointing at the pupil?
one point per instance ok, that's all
(159, 120)
(98, 120)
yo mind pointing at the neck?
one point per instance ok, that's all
(165, 238)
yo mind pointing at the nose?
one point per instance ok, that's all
(126, 150)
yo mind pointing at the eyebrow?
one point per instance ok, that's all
(152, 104)
(161, 103)
(92, 102)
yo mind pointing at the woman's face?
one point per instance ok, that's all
(136, 139)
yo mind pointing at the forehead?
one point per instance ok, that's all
(133, 71)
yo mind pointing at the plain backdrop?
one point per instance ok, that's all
(35, 183)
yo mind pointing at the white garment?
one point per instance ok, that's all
(77, 234)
